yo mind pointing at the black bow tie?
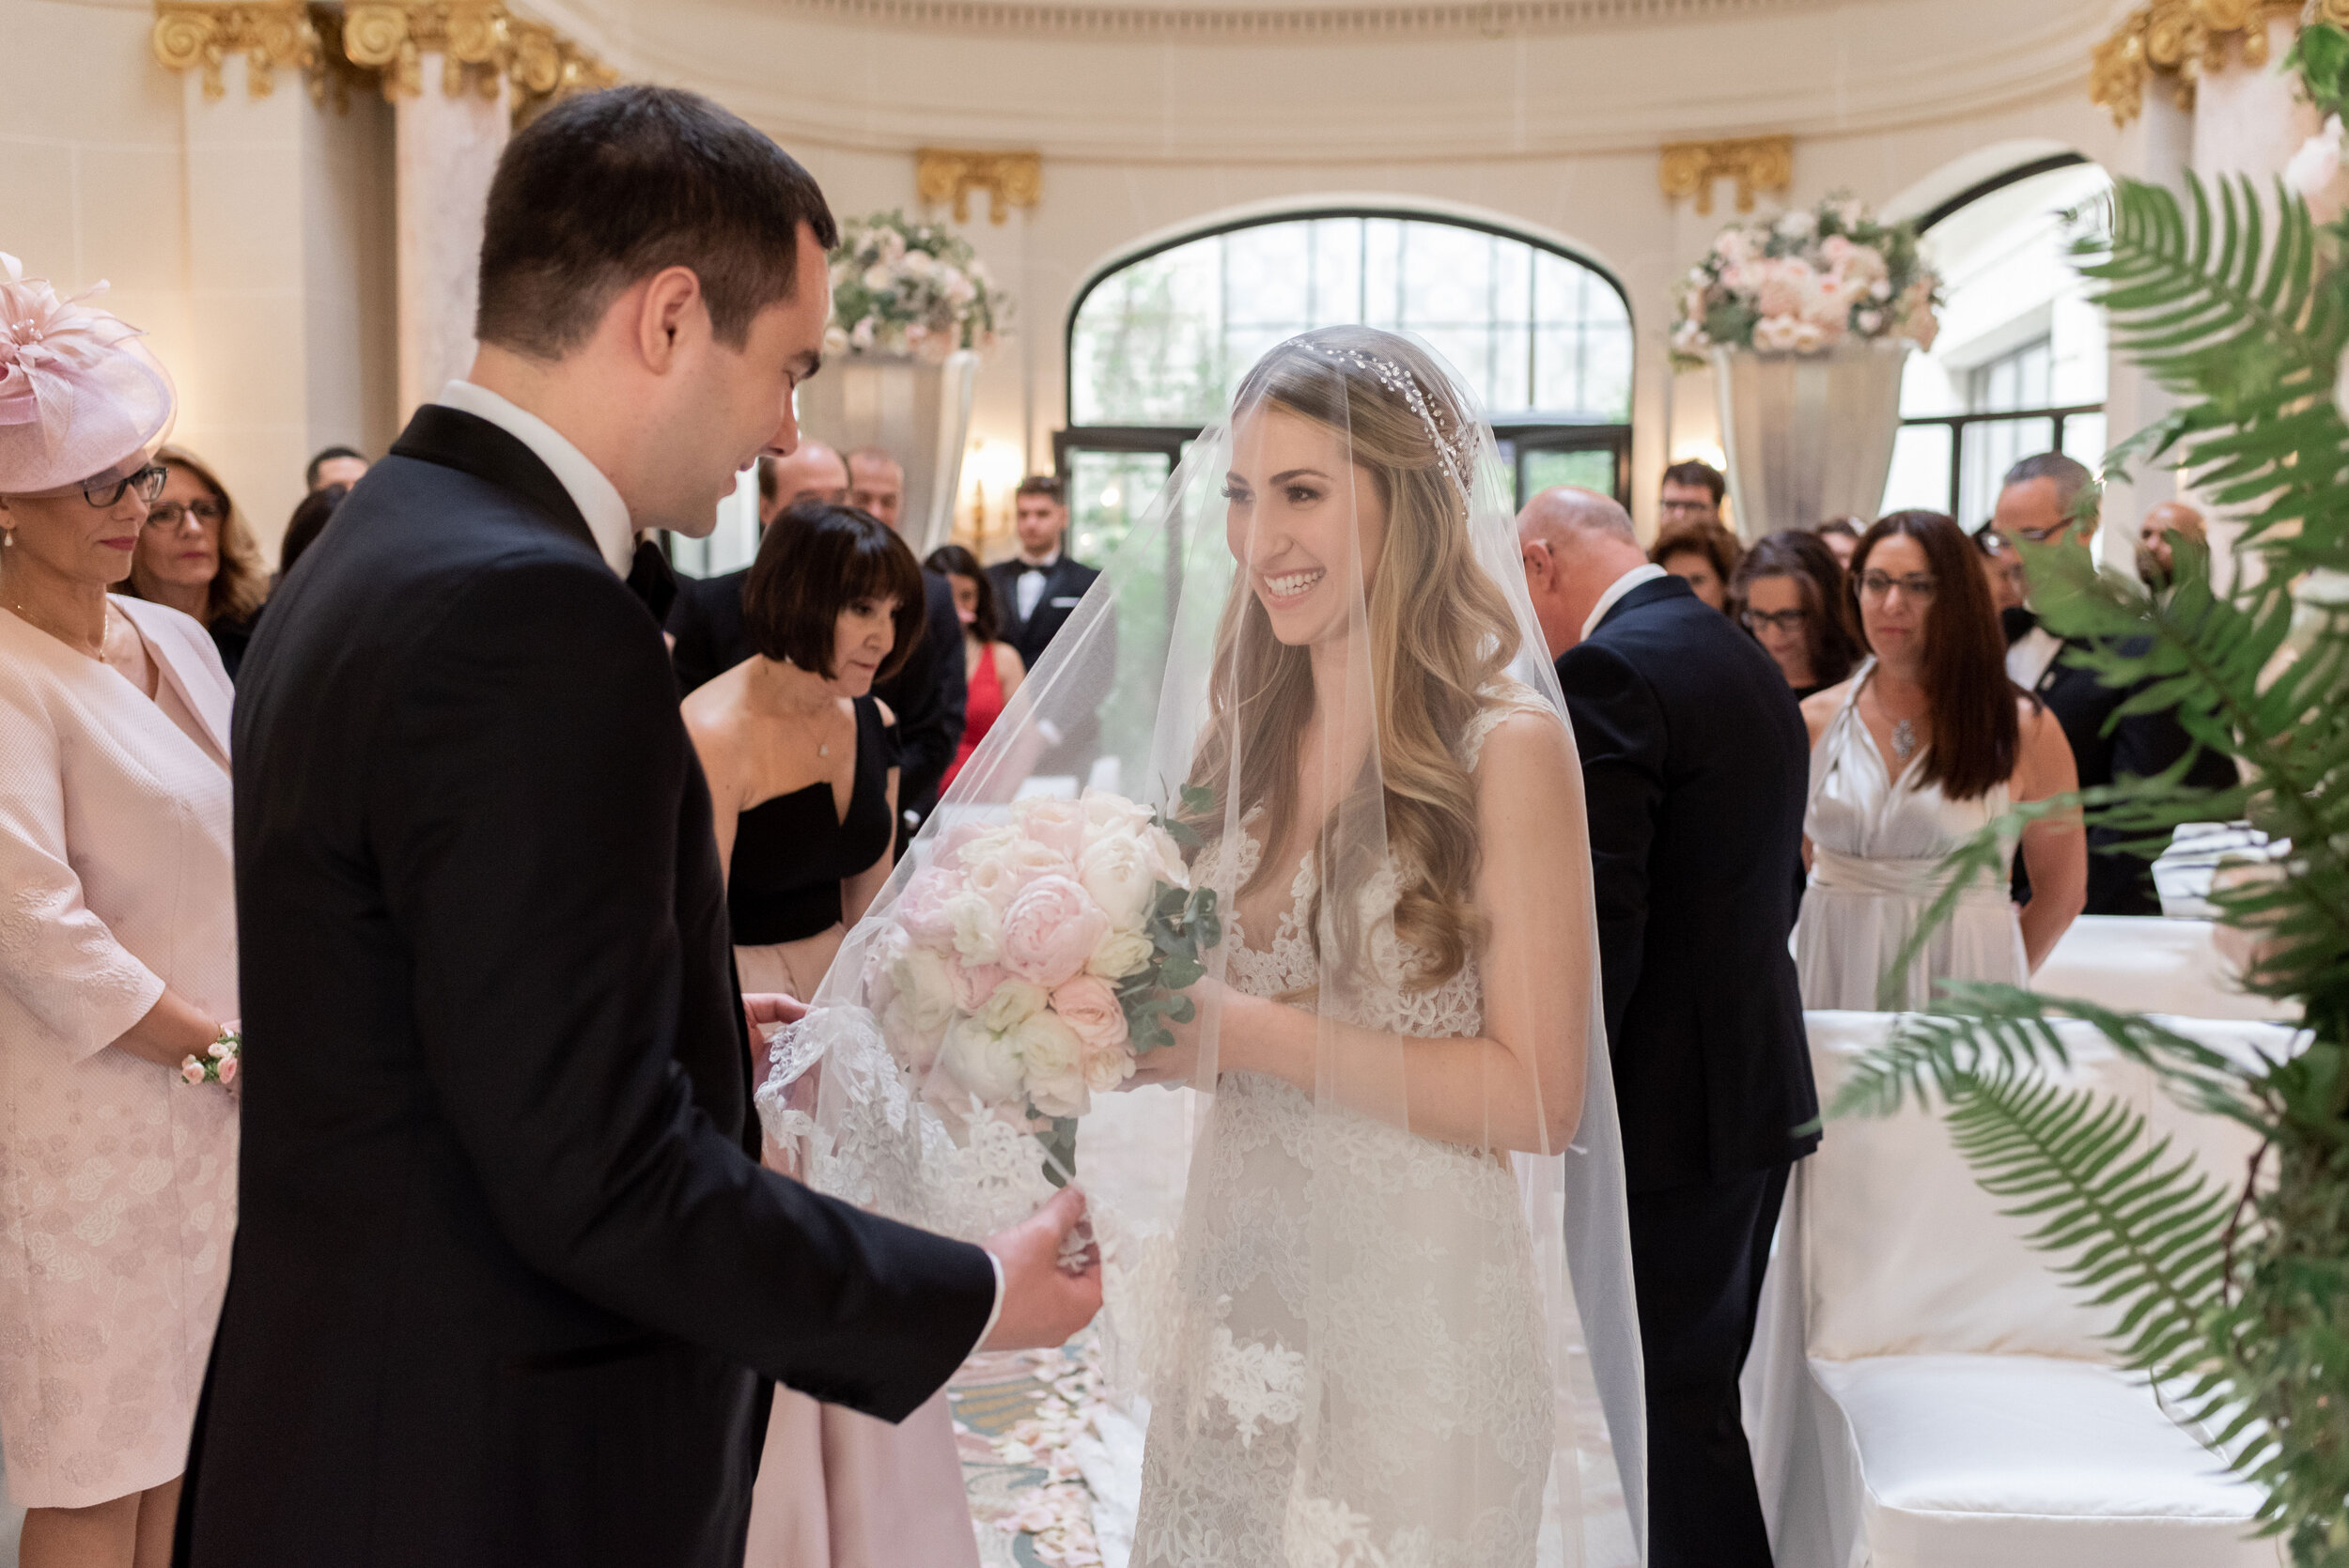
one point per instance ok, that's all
(650, 578)
(1032, 570)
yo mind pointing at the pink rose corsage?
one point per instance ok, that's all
(218, 1065)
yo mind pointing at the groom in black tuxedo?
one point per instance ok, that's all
(510, 1284)
(1695, 770)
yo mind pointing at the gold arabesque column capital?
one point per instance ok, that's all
(382, 44)
(1009, 178)
(1757, 163)
(2176, 40)
(203, 34)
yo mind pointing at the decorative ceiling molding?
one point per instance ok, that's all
(2176, 40)
(379, 44)
(1009, 178)
(1757, 163)
(1489, 18)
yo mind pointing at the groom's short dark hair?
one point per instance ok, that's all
(611, 187)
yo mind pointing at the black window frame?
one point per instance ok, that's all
(1532, 433)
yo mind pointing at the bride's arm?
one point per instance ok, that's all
(1520, 1085)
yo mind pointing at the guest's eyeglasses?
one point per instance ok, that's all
(1689, 509)
(170, 514)
(2041, 535)
(1776, 620)
(106, 491)
(1877, 585)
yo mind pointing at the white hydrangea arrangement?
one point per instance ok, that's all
(902, 288)
(1806, 282)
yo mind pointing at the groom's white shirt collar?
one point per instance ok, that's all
(597, 498)
(1646, 572)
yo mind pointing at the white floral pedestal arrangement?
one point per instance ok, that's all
(914, 308)
(1807, 322)
(1809, 436)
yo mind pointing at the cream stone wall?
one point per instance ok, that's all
(250, 237)
(256, 238)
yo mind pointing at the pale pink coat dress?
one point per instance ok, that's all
(118, 1181)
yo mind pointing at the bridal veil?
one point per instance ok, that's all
(1370, 1268)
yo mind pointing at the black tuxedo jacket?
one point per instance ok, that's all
(929, 694)
(1065, 585)
(509, 1280)
(1696, 768)
(2137, 745)
(706, 622)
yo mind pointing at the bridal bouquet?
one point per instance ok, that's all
(1806, 283)
(1032, 961)
(902, 287)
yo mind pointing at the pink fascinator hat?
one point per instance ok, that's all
(79, 398)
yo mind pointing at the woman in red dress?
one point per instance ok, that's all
(992, 668)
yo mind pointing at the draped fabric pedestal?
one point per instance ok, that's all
(917, 409)
(1809, 436)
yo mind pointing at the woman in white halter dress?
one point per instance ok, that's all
(1883, 816)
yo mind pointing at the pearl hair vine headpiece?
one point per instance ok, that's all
(1457, 451)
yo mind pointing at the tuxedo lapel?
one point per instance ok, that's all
(455, 438)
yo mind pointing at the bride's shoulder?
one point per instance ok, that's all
(1514, 718)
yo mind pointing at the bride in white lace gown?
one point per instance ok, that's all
(1393, 1327)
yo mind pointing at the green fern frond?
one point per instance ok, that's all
(2136, 1229)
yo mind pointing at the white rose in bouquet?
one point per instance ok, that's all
(1057, 825)
(1054, 1056)
(1012, 1004)
(982, 1060)
(1121, 953)
(924, 983)
(978, 929)
(1119, 873)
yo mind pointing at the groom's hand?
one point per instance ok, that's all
(1043, 1305)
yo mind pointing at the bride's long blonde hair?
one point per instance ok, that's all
(1440, 633)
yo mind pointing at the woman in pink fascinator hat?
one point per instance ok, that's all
(119, 1049)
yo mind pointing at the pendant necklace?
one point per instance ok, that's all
(1903, 741)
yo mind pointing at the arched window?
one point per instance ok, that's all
(1156, 345)
(2019, 365)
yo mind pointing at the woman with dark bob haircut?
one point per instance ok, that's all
(1924, 745)
(802, 756)
(1789, 595)
(802, 766)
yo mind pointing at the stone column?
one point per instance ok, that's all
(448, 151)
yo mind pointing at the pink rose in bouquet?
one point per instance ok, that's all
(1090, 1006)
(1050, 929)
(1033, 959)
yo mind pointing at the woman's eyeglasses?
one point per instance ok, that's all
(1775, 620)
(1877, 585)
(170, 514)
(106, 491)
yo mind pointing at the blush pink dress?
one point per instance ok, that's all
(118, 1182)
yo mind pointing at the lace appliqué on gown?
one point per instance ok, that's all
(1358, 1377)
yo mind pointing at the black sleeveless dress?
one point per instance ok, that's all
(791, 852)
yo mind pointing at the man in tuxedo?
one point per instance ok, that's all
(1695, 768)
(1036, 590)
(2051, 500)
(705, 625)
(509, 1282)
